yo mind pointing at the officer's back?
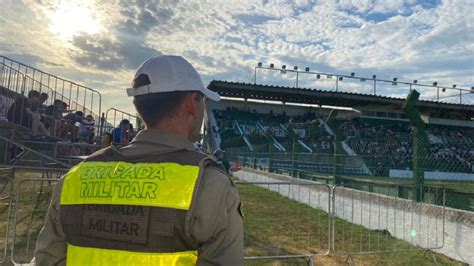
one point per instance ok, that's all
(156, 201)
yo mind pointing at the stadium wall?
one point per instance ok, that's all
(433, 175)
(459, 224)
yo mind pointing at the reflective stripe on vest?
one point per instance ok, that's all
(96, 256)
(169, 185)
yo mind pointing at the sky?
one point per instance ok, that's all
(99, 43)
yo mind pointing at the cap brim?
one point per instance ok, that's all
(211, 95)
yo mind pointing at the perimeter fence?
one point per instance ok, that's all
(295, 221)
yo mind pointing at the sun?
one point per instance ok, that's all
(72, 17)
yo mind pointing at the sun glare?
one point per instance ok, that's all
(71, 18)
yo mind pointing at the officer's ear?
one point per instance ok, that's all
(192, 102)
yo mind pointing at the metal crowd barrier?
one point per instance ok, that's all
(293, 222)
(394, 224)
(24, 201)
(6, 199)
(311, 209)
(29, 215)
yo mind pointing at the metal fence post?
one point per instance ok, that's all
(270, 151)
(254, 159)
(293, 155)
(419, 142)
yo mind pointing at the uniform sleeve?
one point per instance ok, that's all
(51, 245)
(217, 223)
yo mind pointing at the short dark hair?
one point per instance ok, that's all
(124, 122)
(154, 107)
(33, 93)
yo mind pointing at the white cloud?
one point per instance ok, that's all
(407, 39)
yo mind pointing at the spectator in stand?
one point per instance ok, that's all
(91, 121)
(24, 111)
(72, 125)
(42, 99)
(54, 117)
(120, 134)
(18, 114)
(35, 101)
(131, 133)
(85, 126)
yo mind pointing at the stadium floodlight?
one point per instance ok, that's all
(394, 83)
(443, 90)
(295, 68)
(259, 64)
(415, 81)
(272, 65)
(283, 66)
(306, 69)
(454, 86)
(340, 78)
(352, 74)
(374, 76)
(318, 76)
(435, 83)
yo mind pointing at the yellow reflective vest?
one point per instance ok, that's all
(128, 213)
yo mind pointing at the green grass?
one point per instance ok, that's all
(276, 225)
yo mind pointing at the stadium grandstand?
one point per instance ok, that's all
(308, 133)
(50, 122)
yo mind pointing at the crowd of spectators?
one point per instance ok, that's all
(315, 135)
(54, 120)
(381, 145)
(390, 146)
(384, 144)
(453, 145)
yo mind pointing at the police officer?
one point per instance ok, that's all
(156, 201)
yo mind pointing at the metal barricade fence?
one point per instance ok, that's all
(293, 221)
(78, 97)
(114, 116)
(380, 222)
(6, 199)
(32, 201)
(278, 214)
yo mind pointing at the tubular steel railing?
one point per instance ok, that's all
(113, 117)
(6, 200)
(32, 211)
(313, 216)
(78, 97)
(326, 219)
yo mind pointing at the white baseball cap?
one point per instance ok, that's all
(168, 73)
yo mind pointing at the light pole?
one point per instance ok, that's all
(339, 77)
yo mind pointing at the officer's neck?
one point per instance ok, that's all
(177, 129)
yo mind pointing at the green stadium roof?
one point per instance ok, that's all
(322, 97)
